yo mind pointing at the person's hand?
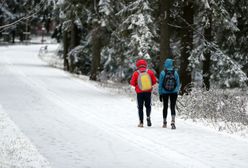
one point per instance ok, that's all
(160, 98)
(180, 92)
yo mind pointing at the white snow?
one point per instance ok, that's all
(77, 123)
(104, 7)
(15, 148)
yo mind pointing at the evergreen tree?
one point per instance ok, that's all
(216, 45)
(226, 71)
(131, 39)
(240, 54)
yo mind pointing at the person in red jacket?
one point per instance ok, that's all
(143, 76)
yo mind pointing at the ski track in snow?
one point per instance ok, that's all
(84, 111)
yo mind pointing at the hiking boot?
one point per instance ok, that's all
(173, 126)
(140, 125)
(164, 124)
(149, 122)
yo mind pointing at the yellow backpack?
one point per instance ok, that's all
(144, 80)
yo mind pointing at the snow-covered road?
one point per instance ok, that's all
(76, 123)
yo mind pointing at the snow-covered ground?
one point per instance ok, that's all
(76, 123)
(16, 150)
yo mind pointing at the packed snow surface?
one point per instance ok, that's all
(76, 123)
(15, 149)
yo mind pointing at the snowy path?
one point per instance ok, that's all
(73, 123)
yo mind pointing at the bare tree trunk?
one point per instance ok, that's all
(73, 44)
(66, 46)
(75, 36)
(96, 52)
(13, 34)
(187, 42)
(164, 32)
(207, 55)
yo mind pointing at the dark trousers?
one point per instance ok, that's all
(142, 98)
(173, 99)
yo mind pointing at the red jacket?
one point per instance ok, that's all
(142, 66)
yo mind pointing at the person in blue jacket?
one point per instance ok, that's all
(169, 86)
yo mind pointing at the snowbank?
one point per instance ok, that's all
(16, 151)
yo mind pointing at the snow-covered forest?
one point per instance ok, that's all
(207, 37)
(104, 38)
(96, 43)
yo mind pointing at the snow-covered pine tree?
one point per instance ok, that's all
(241, 19)
(132, 37)
(225, 70)
(70, 15)
(86, 27)
(137, 30)
(112, 53)
(100, 33)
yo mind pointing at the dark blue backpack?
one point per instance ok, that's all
(170, 82)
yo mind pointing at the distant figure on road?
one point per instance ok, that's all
(143, 79)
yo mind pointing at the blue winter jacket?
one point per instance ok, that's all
(168, 64)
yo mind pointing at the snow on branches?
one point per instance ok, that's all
(225, 109)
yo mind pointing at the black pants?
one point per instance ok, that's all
(142, 98)
(173, 99)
